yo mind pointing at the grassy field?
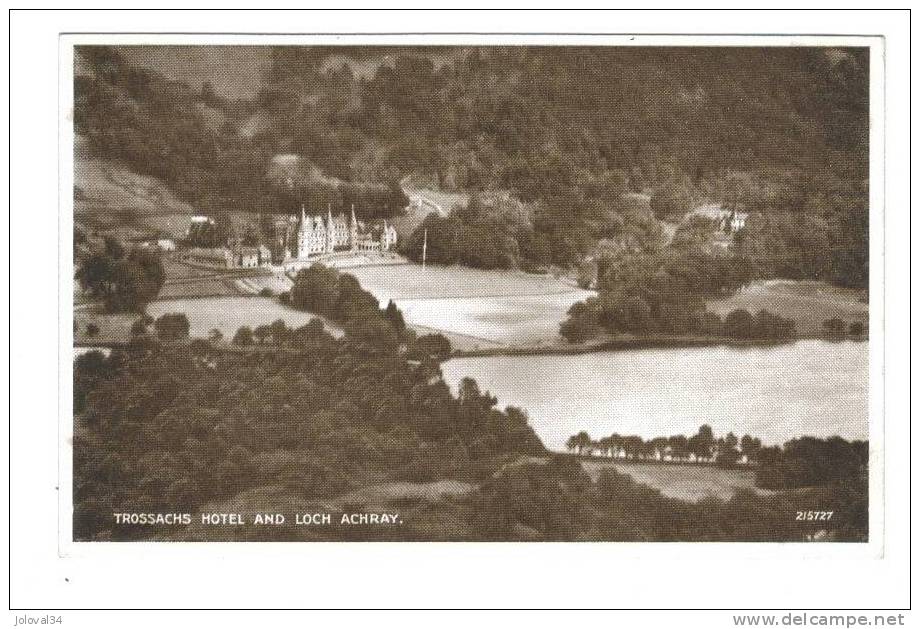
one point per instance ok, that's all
(228, 314)
(112, 327)
(409, 281)
(186, 281)
(684, 482)
(275, 283)
(490, 322)
(209, 287)
(808, 303)
(385, 494)
(110, 196)
(183, 281)
(111, 199)
(476, 309)
(176, 270)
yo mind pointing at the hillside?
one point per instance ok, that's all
(107, 195)
(780, 133)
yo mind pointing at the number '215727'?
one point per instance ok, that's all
(813, 516)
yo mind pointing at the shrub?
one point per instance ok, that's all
(243, 336)
(200, 347)
(582, 324)
(172, 326)
(430, 345)
(808, 462)
(834, 326)
(739, 324)
(670, 202)
(261, 333)
(771, 326)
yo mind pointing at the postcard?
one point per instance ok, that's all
(504, 291)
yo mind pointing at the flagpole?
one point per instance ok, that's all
(424, 249)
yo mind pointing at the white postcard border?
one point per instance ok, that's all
(163, 559)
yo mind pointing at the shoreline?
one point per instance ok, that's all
(661, 462)
(618, 344)
(639, 343)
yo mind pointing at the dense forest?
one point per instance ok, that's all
(193, 141)
(184, 427)
(664, 293)
(162, 428)
(597, 143)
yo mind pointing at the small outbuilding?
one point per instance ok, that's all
(216, 257)
(249, 258)
(265, 256)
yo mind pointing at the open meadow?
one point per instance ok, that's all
(191, 282)
(808, 303)
(202, 288)
(492, 322)
(185, 281)
(475, 308)
(228, 314)
(108, 327)
(683, 482)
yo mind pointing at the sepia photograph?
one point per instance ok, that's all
(423, 317)
(471, 293)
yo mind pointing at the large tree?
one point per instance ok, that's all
(125, 282)
(579, 443)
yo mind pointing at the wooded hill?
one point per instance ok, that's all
(575, 133)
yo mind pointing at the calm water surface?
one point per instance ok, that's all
(776, 393)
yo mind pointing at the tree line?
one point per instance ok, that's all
(702, 447)
(426, 347)
(836, 328)
(801, 462)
